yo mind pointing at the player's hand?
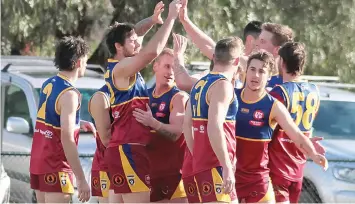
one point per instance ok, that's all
(180, 44)
(144, 117)
(174, 9)
(228, 180)
(83, 190)
(320, 160)
(87, 126)
(158, 10)
(319, 148)
(183, 11)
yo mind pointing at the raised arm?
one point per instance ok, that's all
(198, 37)
(68, 104)
(280, 114)
(99, 108)
(131, 65)
(220, 96)
(143, 26)
(187, 128)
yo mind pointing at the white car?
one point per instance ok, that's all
(336, 123)
(21, 81)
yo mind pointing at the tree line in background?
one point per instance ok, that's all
(325, 26)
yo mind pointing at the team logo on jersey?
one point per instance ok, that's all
(130, 179)
(118, 180)
(63, 179)
(191, 189)
(48, 134)
(95, 182)
(50, 179)
(206, 188)
(202, 129)
(116, 114)
(258, 115)
(162, 106)
(103, 184)
(218, 188)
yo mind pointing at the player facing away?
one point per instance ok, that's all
(126, 153)
(54, 155)
(302, 101)
(209, 125)
(258, 113)
(99, 109)
(271, 38)
(165, 115)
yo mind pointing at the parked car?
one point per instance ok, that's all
(21, 81)
(336, 123)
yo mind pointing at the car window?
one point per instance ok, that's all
(16, 104)
(335, 120)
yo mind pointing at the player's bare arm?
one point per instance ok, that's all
(220, 95)
(198, 37)
(99, 109)
(67, 106)
(131, 65)
(143, 26)
(187, 127)
(282, 117)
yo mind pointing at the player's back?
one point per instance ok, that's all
(254, 130)
(125, 128)
(204, 157)
(302, 101)
(275, 80)
(166, 156)
(47, 154)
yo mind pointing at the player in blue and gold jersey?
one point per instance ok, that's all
(302, 101)
(165, 115)
(130, 176)
(100, 111)
(209, 125)
(258, 113)
(54, 156)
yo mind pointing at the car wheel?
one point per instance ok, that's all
(309, 193)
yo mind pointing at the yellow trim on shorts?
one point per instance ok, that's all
(65, 183)
(133, 181)
(104, 184)
(198, 191)
(269, 196)
(217, 184)
(179, 191)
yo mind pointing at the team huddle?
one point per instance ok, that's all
(242, 134)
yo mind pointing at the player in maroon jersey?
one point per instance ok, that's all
(258, 114)
(165, 115)
(54, 155)
(286, 161)
(127, 152)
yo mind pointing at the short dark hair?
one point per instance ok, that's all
(68, 51)
(227, 49)
(294, 56)
(281, 33)
(265, 57)
(252, 28)
(117, 33)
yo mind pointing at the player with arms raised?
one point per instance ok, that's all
(54, 154)
(209, 125)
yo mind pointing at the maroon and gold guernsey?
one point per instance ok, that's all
(254, 130)
(204, 157)
(302, 101)
(47, 153)
(125, 128)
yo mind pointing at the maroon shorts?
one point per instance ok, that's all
(255, 192)
(167, 187)
(286, 190)
(58, 182)
(100, 184)
(191, 189)
(209, 185)
(128, 167)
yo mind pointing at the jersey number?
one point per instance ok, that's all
(199, 86)
(42, 111)
(311, 107)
